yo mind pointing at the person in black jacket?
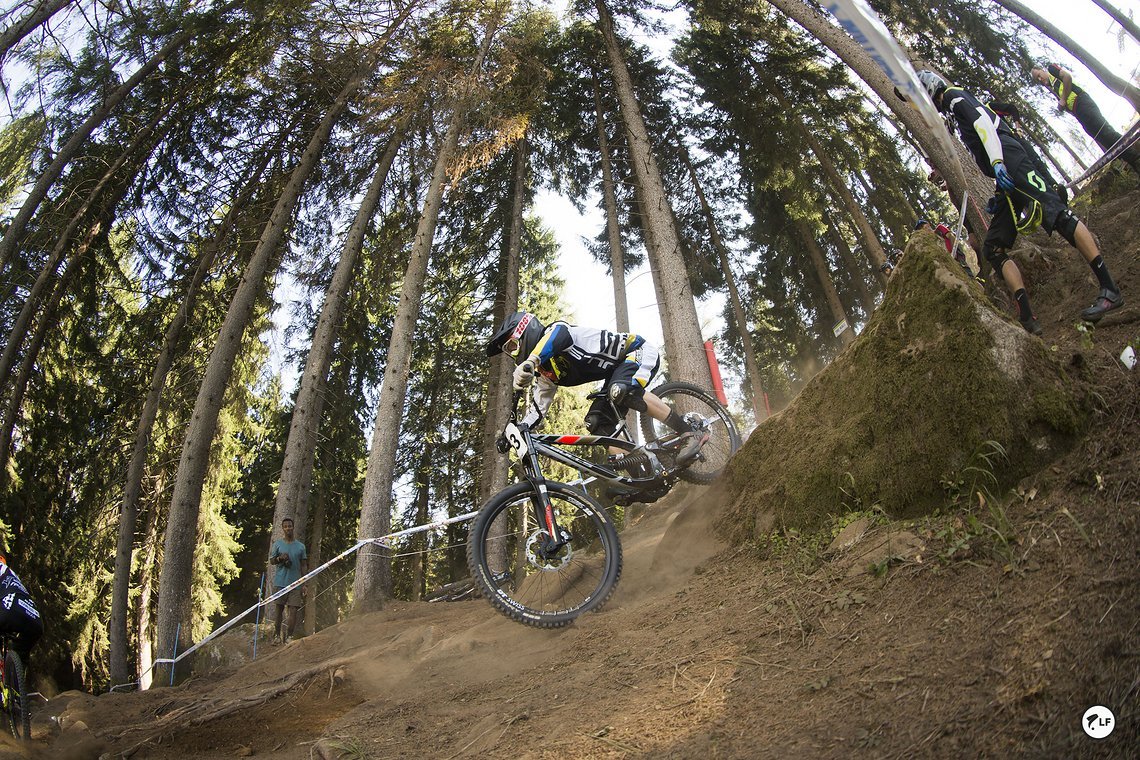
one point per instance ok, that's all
(19, 617)
(1024, 199)
(1075, 100)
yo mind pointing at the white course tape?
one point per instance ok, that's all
(862, 23)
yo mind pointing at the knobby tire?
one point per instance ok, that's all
(544, 596)
(723, 442)
(19, 721)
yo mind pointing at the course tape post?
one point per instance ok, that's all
(360, 544)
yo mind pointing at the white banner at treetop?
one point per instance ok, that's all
(862, 23)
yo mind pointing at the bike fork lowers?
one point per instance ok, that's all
(543, 507)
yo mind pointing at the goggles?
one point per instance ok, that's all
(511, 344)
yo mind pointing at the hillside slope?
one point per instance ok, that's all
(983, 632)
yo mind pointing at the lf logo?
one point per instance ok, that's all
(1098, 721)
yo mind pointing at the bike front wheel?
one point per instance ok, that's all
(523, 579)
(703, 413)
(16, 697)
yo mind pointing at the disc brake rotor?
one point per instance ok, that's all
(539, 559)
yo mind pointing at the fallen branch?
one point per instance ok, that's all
(204, 711)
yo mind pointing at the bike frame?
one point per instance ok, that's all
(547, 445)
(537, 446)
(529, 447)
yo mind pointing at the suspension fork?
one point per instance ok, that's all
(540, 498)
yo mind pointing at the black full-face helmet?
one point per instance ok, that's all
(517, 336)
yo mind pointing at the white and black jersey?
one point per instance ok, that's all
(570, 355)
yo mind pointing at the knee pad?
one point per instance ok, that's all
(600, 424)
(635, 401)
(996, 256)
(1066, 226)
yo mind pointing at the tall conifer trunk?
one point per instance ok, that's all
(499, 368)
(751, 366)
(853, 266)
(28, 23)
(300, 447)
(684, 346)
(373, 569)
(1119, 16)
(148, 562)
(174, 612)
(823, 274)
(835, 179)
(140, 450)
(316, 557)
(613, 228)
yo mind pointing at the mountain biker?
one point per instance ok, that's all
(999, 154)
(19, 617)
(1010, 114)
(1076, 101)
(567, 355)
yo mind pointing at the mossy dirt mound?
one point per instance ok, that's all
(910, 411)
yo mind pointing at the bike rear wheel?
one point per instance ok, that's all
(702, 411)
(527, 584)
(16, 697)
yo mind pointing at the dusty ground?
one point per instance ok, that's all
(983, 633)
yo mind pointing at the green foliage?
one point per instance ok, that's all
(19, 139)
(981, 514)
(740, 57)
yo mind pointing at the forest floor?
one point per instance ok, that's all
(981, 632)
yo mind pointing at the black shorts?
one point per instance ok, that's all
(600, 419)
(1030, 186)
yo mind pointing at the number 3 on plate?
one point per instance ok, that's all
(515, 439)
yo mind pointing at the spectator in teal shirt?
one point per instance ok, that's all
(292, 562)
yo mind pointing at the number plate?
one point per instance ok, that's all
(516, 440)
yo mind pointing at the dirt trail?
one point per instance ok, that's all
(982, 636)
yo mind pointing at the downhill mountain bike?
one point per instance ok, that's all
(13, 691)
(543, 552)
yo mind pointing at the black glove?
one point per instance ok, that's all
(992, 205)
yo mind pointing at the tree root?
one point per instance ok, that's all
(213, 708)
